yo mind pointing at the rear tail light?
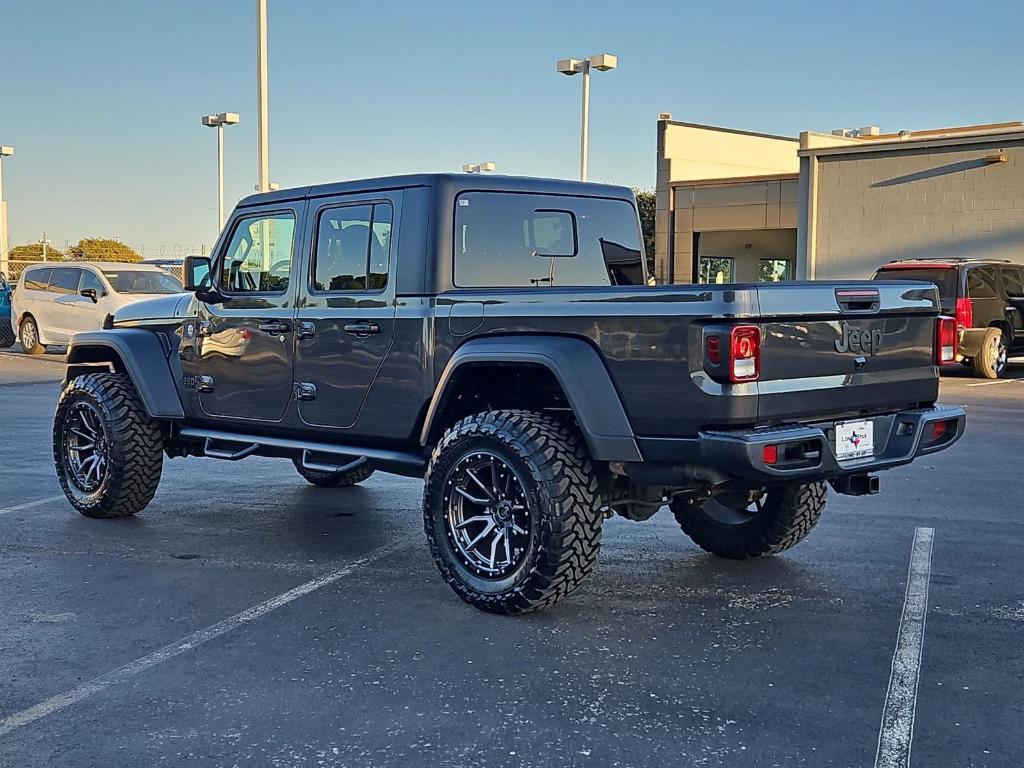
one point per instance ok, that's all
(745, 346)
(945, 340)
(964, 313)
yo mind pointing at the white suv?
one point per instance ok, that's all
(52, 302)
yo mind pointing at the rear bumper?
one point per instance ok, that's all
(899, 439)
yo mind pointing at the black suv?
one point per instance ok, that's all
(987, 298)
(497, 337)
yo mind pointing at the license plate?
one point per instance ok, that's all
(855, 439)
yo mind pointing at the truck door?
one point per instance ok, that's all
(346, 318)
(245, 349)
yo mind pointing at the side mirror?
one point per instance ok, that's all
(89, 293)
(196, 273)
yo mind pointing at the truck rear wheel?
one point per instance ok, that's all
(744, 524)
(107, 451)
(511, 510)
(333, 479)
(990, 362)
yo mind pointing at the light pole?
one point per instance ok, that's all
(4, 152)
(218, 122)
(479, 168)
(601, 62)
(262, 102)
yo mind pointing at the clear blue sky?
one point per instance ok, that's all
(102, 100)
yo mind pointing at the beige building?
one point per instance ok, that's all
(741, 206)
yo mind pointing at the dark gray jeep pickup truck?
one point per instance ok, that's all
(498, 336)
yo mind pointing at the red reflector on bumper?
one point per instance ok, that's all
(939, 429)
(770, 454)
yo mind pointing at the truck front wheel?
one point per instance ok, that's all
(108, 452)
(746, 524)
(512, 511)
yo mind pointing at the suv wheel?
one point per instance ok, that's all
(7, 336)
(512, 511)
(990, 362)
(108, 452)
(746, 524)
(28, 335)
(333, 479)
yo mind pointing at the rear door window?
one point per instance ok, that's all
(64, 280)
(981, 284)
(36, 279)
(1012, 281)
(509, 240)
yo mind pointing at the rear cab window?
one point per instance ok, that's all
(513, 240)
(945, 278)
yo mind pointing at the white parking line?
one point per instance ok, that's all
(129, 670)
(897, 731)
(30, 504)
(990, 383)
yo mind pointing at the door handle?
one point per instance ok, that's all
(362, 329)
(275, 328)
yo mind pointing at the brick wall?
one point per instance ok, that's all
(875, 207)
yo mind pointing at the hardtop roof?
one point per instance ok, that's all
(457, 182)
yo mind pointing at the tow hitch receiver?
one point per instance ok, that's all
(856, 485)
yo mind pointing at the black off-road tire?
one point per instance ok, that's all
(7, 335)
(133, 441)
(333, 479)
(562, 500)
(28, 335)
(788, 515)
(990, 362)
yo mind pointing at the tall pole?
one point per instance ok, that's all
(585, 127)
(263, 117)
(220, 176)
(3, 223)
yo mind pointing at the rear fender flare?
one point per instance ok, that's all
(580, 372)
(139, 353)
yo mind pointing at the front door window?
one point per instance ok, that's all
(259, 257)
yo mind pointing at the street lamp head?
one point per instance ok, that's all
(224, 118)
(569, 66)
(604, 61)
(6, 151)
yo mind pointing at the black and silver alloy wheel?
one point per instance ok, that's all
(488, 521)
(107, 451)
(741, 524)
(86, 446)
(512, 511)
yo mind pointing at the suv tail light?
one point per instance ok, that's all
(964, 313)
(945, 339)
(745, 346)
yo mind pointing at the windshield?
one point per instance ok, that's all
(142, 281)
(944, 277)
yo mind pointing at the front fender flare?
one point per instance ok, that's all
(580, 372)
(141, 355)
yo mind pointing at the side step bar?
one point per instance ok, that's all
(232, 446)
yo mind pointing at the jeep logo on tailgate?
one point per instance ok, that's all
(859, 342)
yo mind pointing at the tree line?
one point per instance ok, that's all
(86, 249)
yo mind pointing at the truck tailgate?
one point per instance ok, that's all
(838, 349)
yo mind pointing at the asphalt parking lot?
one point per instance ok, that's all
(249, 619)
